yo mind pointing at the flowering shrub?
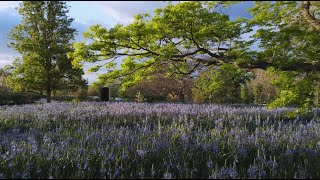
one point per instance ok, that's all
(141, 140)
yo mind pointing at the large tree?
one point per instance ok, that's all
(190, 36)
(186, 37)
(289, 38)
(44, 39)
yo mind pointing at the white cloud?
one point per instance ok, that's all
(124, 11)
(4, 5)
(6, 59)
(4, 62)
(90, 77)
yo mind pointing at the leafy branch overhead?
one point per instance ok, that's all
(187, 36)
(290, 40)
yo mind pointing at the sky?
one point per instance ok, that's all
(88, 13)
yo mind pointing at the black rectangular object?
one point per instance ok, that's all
(104, 94)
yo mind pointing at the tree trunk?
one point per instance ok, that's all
(181, 96)
(311, 19)
(48, 95)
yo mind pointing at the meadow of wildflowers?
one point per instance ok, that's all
(140, 140)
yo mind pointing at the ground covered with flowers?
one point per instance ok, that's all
(140, 140)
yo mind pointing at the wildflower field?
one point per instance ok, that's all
(140, 140)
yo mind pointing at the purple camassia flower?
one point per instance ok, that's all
(167, 175)
(142, 153)
(210, 164)
(291, 151)
(226, 172)
(184, 137)
(141, 174)
(117, 172)
(263, 174)
(253, 172)
(243, 152)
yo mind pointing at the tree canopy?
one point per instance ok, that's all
(187, 36)
(192, 36)
(290, 40)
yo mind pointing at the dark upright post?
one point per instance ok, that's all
(104, 94)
